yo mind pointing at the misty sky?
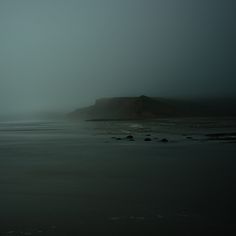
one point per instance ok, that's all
(62, 54)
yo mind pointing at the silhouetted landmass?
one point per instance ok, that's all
(143, 107)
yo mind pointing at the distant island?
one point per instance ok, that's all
(144, 108)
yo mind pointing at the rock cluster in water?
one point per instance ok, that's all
(146, 139)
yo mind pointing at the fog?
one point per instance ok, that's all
(58, 55)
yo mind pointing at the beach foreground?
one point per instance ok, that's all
(59, 178)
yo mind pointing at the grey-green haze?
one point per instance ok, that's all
(59, 55)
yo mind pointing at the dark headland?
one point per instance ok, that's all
(144, 108)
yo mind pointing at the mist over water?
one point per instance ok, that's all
(124, 166)
(58, 55)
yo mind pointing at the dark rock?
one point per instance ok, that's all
(164, 140)
(147, 139)
(189, 137)
(129, 137)
(118, 138)
(148, 135)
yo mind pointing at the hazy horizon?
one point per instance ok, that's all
(59, 55)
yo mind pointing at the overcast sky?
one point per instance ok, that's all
(63, 54)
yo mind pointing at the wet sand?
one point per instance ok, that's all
(76, 180)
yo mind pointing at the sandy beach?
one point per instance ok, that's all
(62, 178)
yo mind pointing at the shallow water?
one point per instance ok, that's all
(64, 178)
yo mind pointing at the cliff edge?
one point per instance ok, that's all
(125, 108)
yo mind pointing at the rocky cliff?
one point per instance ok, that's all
(123, 108)
(143, 107)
